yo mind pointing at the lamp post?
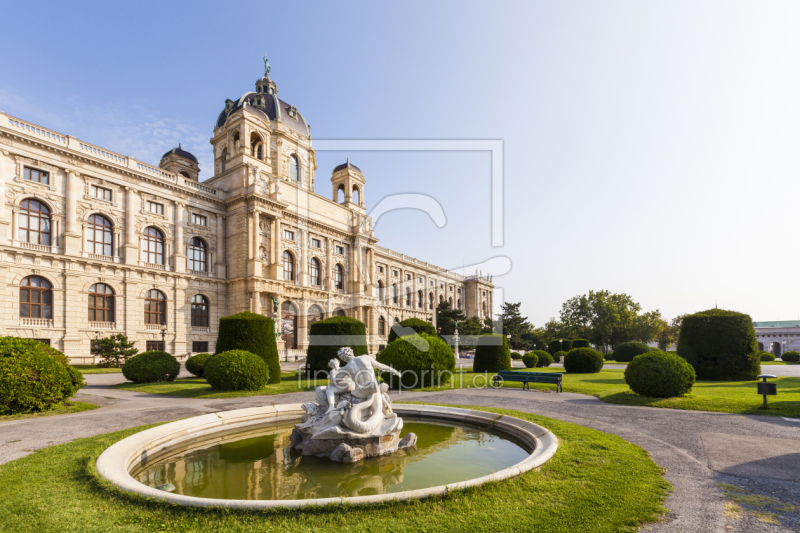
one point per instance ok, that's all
(455, 338)
(560, 346)
(96, 338)
(163, 336)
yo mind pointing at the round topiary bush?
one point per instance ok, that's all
(516, 356)
(491, 353)
(766, 356)
(580, 343)
(791, 357)
(424, 361)
(720, 345)
(34, 377)
(151, 367)
(419, 326)
(197, 364)
(530, 360)
(555, 346)
(327, 336)
(583, 361)
(558, 357)
(609, 356)
(252, 333)
(237, 370)
(625, 352)
(659, 375)
(545, 359)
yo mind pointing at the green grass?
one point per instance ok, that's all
(199, 388)
(63, 409)
(779, 363)
(94, 369)
(595, 483)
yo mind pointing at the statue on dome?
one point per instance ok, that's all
(266, 65)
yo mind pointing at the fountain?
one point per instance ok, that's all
(352, 418)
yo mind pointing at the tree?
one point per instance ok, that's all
(447, 317)
(668, 333)
(488, 325)
(516, 325)
(114, 351)
(471, 326)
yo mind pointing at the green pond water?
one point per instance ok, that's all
(259, 465)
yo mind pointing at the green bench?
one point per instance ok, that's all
(527, 378)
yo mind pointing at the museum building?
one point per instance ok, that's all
(93, 242)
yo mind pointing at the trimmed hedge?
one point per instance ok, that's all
(720, 345)
(530, 360)
(197, 364)
(419, 326)
(626, 351)
(34, 377)
(237, 370)
(545, 359)
(252, 333)
(583, 361)
(424, 360)
(491, 355)
(558, 357)
(151, 367)
(580, 343)
(555, 346)
(609, 356)
(791, 357)
(516, 356)
(766, 356)
(659, 375)
(329, 335)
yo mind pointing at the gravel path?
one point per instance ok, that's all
(699, 450)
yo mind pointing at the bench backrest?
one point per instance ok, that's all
(510, 374)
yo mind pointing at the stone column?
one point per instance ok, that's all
(328, 263)
(302, 267)
(254, 261)
(278, 159)
(4, 221)
(180, 254)
(72, 236)
(276, 267)
(302, 324)
(219, 267)
(131, 241)
(74, 313)
(180, 321)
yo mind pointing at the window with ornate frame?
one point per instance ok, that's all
(338, 276)
(313, 271)
(101, 303)
(34, 222)
(288, 265)
(35, 298)
(294, 168)
(99, 236)
(153, 246)
(200, 311)
(197, 255)
(155, 307)
(100, 192)
(35, 175)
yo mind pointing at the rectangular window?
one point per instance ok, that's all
(39, 176)
(200, 220)
(288, 235)
(155, 346)
(395, 273)
(340, 250)
(100, 192)
(156, 208)
(451, 288)
(459, 291)
(315, 243)
(199, 347)
(408, 276)
(43, 341)
(380, 269)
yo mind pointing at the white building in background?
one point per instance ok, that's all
(93, 242)
(778, 337)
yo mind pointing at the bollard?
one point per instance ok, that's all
(767, 389)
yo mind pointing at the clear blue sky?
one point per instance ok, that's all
(650, 147)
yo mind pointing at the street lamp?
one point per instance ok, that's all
(455, 337)
(163, 336)
(560, 347)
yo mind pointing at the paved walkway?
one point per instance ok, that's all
(698, 450)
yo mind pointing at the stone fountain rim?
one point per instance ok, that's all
(118, 460)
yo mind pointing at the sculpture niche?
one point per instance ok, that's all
(352, 418)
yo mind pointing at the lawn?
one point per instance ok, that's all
(94, 369)
(64, 409)
(595, 483)
(199, 388)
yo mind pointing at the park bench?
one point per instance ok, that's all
(528, 377)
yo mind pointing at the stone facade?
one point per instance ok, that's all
(778, 337)
(169, 252)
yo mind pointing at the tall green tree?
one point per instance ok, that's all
(447, 317)
(114, 351)
(516, 325)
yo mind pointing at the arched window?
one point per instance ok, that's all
(338, 276)
(257, 147)
(34, 222)
(223, 159)
(380, 291)
(338, 312)
(288, 266)
(394, 293)
(236, 144)
(198, 255)
(420, 302)
(408, 296)
(430, 300)
(101, 303)
(99, 236)
(200, 311)
(381, 326)
(155, 307)
(185, 174)
(459, 304)
(313, 272)
(294, 168)
(356, 195)
(450, 301)
(483, 308)
(153, 246)
(35, 298)
(340, 194)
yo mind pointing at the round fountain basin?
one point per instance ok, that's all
(243, 459)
